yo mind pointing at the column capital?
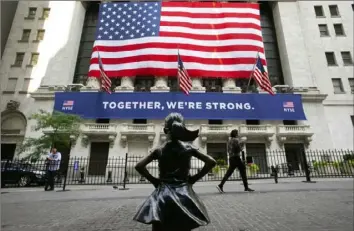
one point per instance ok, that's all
(161, 84)
(93, 84)
(229, 86)
(197, 85)
(126, 85)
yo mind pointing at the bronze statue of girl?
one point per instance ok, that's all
(174, 205)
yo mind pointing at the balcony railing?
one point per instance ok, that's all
(138, 129)
(94, 128)
(218, 131)
(285, 132)
(257, 130)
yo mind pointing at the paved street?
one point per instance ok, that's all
(287, 206)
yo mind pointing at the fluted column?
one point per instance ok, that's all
(126, 85)
(197, 85)
(161, 84)
(229, 86)
(93, 84)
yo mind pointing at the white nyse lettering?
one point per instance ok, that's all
(289, 110)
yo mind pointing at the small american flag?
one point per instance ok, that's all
(261, 76)
(288, 104)
(106, 83)
(68, 103)
(185, 82)
(217, 39)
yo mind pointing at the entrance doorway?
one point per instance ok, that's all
(98, 158)
(294, 155)
(218, 151)
(8, 151)
(258, 153)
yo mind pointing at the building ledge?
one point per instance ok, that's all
(215, 131)
(137, 130)
(294, 132)
(310, 94)
(47, 92)
(256, 132)
(101, 132)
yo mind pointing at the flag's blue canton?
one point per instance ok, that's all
(180, 63)
(121, 21)
(259, 65)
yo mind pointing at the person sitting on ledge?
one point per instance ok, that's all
(173, 205)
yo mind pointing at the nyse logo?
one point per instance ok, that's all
(68, 105)
(288, 107)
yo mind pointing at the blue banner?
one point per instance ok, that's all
(140, 105)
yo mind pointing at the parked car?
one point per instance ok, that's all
(22, 174)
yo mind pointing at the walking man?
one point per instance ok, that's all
(54, 158)
(234, 148)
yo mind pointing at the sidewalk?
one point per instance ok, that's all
(287, 206)
(199, 184)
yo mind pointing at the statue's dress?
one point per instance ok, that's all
(174, 203)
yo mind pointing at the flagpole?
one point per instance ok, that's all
(178, 57)
(251, 75)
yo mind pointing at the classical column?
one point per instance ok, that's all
(93, 84)
(197, 85)
(229, 86)
(161, 84)
(126, 85)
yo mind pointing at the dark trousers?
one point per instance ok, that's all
(236, 162)
(50, 180)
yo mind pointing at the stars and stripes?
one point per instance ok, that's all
(185, 82)
(261, 77)
(106, 83)
(216, 39)
(288, 104)
(68, 103)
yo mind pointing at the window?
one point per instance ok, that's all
(19, 59)
(45, 13)
(11, 85)
(173, 84)
(319, 11)
(40, 35)
(215, 122)
(331, 59)
(34, 59)
(25, 35)
(347, 58)
(352, 118)
(351, 85)
(289, 122)
(139, 121)
(353, 7)
(25, 85)
(102, 121)
(212, 84)
(337, 86)
(338, 29)
(333, 10)
(143, 83)
(323, 30)
(31, 13)
(252, 122)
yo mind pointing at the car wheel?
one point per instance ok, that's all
(24, 181)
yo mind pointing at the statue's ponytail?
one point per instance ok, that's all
(175, 127)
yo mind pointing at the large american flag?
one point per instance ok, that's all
(260, 75)
(185, 82)
(142, 38)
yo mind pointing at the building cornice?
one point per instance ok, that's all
(47, 92)
(310, 94)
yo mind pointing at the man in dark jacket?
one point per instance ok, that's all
(234, 148)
